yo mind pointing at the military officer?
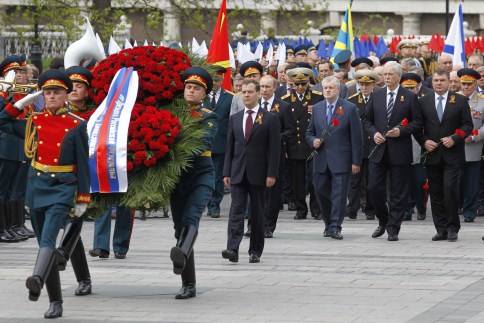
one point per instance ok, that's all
(192, 194)
(13, 163)
(296, 121)
(473, 144)
(301, 54)
(249, 70)
(58, 179)
(220, 102)
(70, 245)
(357, 194)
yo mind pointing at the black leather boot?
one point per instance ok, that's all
(68, 242)
(5, 236)
(10, 219)
(53, 286)
(188, 289)
(35, 283)
(180, 253)
(81, 269)
(17, 219)
(20, 207)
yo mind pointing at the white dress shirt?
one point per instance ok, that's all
(444, 101)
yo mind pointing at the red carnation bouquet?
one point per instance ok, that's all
(423, 157)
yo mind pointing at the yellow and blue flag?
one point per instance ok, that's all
(345, 35)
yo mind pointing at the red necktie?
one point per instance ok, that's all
(248, 124)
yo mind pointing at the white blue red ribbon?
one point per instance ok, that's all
(108, 134)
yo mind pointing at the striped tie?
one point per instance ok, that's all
(390, 106)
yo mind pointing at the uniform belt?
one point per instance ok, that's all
(53, 168)
(206, 153)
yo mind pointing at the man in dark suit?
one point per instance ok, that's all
(251, 165)
(338, 154)
(393, 115)
(358, 194)
(220, 102)
(296, 121)
(447, 121)
(269, 102)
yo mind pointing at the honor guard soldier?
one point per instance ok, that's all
(13, 163)
(58, 178)
(473, 144)
(70, 245)
(296, 120)
(357, 194)
(194, 190)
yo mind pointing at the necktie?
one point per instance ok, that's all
(329, 113)
(266, 105)
(300, 97)
(248, 124)
(366, 100)
(213, 100)
(390, 106)
(440, 108)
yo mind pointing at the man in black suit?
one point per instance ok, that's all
(219, 101)
(251, 165)
(269, 102)
(447, 121)
(385, 114)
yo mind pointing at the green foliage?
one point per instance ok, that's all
(373, 24)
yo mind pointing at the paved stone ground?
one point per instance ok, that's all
(302, 277)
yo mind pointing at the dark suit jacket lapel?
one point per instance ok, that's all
(448, 105)
(238, 125)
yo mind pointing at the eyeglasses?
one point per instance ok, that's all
(301, 84)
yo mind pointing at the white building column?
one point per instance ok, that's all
(268, 19)
(411, 23)
(171, 28)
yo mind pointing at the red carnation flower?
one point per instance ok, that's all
(405, 122)
(335, 122)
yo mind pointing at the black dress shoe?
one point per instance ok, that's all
(452, 236)
(291, 206)
(392, 237)
(351, 216)
(84, 288)
(421, 216)
(188, 290)
(378, 232)
(326, 233)
(54, 311)
(268, 234)
(318, 217)
(101, 253)
(231, 255)
(468, 220)
(370, 216)
(119, 255)
(407, 217)
(209, 213)
(337, 235)
(247, 233)
(215, 215)
(439, 236)
(7, 237)
(300, 217)
(254, 259)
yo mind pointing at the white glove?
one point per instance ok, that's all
(27, 100)
(80, 209)
(10, 78)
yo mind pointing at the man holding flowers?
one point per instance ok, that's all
(336, 135)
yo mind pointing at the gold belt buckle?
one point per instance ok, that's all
(46, 168)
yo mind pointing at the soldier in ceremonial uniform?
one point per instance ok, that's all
(192, 194)
(13, 163)
(70, 245)
(357, 194)
(473, 144)
(296, 121)
(58, 178)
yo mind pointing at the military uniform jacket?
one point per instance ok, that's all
(474, 149)
(61, 141)
(296, 122)
(200, 170)
(358, 100)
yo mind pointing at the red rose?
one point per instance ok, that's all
(130, 166)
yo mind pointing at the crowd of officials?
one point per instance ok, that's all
(377, 134)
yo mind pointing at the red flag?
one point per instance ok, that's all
(481, 44)
(393, 45)
(441, 43)
(434, 43)
(375, 39)
(468, 47)
(218, 53)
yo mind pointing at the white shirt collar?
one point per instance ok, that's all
(270, 101)
(394, 91)
(444, 95)
(256, 109)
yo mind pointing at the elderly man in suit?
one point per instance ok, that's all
(270, 102)
(392, 116)
(447, 121)
(251, 165)
(220, 102)
(338, 153)
(473, 144)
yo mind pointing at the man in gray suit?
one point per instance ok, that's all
(473, 144)
(338, 154)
